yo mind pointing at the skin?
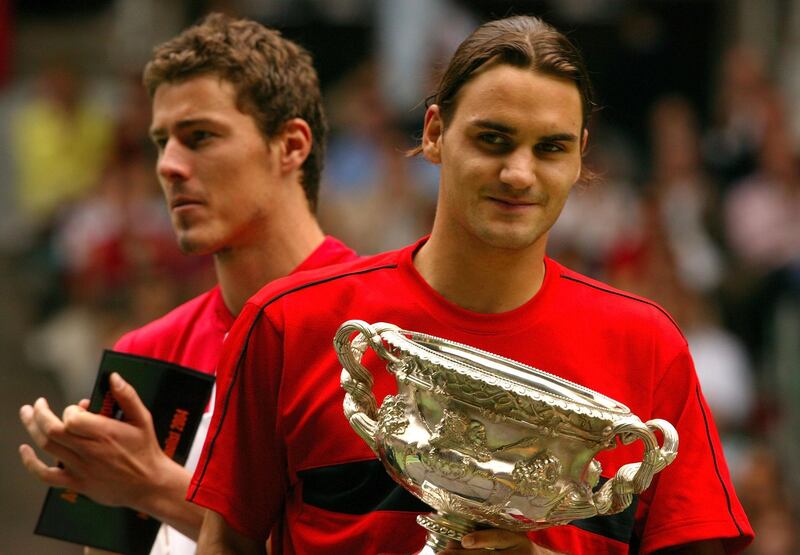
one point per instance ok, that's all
(509, 157)
(218, 538)
(232, 194)
(496, 541)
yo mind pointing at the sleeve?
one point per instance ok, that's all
(241, 472)
(693, 498)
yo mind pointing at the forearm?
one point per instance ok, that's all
(217, 538)
(165, 499)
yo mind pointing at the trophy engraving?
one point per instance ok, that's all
(488, 441)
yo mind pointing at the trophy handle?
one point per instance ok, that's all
(616, 494)
(360, 406)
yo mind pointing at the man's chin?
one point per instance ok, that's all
(511, 240)
(193, 247)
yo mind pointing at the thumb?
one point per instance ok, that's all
(134, 411)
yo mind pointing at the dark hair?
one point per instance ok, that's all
(274, 78)
(521, 41)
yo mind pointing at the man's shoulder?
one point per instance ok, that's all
(170, 326)
(343, 274)
(592, 296)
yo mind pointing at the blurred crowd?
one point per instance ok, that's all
(701, 214)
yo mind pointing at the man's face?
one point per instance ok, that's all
(217, 171)
(509, 156)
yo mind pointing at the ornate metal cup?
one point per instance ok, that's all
(487, 441)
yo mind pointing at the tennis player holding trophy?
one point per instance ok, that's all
(520, 393)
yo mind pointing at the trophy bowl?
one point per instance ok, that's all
(487, 441)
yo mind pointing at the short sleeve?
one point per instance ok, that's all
(693, 498)
(241, 473)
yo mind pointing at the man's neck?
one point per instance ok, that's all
(481, 278)
(242, 271)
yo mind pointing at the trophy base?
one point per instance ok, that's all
(441, 529)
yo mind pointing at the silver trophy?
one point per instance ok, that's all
(487, 441)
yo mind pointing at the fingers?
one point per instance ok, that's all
(50, 434)
(456, 548)
(51, 475)
(130, 403)
(44, 427)
(494, 538)
(81, 422)
(78, 422)
(491, 541)
(84, 404)
(39, 421)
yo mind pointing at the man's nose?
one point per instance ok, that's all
(519, 169)
(173, 164)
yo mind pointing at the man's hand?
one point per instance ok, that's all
(113, 462)
(495, 541)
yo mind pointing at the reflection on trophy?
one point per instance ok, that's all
(487, 441)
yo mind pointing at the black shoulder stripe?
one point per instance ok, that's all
(618, 526)
(228, 393)
(716, 464)
(357, 488)
(631, 297)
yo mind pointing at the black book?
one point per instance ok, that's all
(177, 397)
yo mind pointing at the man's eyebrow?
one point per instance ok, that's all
(182, 124)
(510, 130)
(494, 126)
(564, 137)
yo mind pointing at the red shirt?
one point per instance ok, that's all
(281, 454)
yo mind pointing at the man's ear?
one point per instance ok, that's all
(295, 141)
(584, 144)
(432, 135)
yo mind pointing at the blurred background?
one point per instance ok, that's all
(697, 205)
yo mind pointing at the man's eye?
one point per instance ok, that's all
(493, 139)
(549, 147)
(199, 136)
(160, 143)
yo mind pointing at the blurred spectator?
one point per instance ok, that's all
(411, 36)
(762, 211)
(61, 142)
(6, 34)
(780, 362)
(744, 102)
(760, 488)
(722, 364)
(724, 369)
(603, 213)
(372, 197)
(115, 233)
(686, 198)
